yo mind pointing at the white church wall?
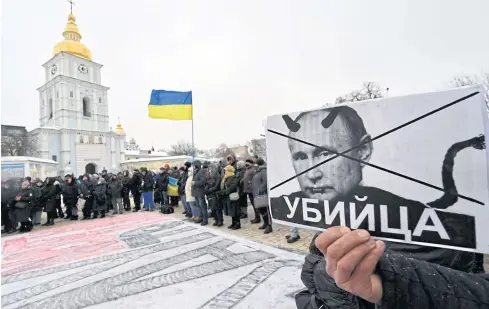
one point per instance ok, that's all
(53, 145)
(90, 153)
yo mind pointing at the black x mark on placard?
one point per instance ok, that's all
(342, 154)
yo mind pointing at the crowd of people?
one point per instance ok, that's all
(206, 190)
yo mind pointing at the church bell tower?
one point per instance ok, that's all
(73, 96)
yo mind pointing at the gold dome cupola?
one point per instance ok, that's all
(119, 129)
(71, 44)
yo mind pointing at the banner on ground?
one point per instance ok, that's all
(409, 169)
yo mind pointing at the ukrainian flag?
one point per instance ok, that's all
(171, 105)
(172, 186)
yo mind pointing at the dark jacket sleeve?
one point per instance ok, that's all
(413, 284)
(27, 196)
(216, 183)
(307, 273)
(231, 185)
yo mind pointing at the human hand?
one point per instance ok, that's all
(351, 257)
(17, 198)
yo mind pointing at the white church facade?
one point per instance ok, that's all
(74, 113)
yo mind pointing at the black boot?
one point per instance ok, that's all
(103, 214)
(233, 223)
(29, 227)
(257, 218)
(265, 222)
(268, 230)
(219, 217)
(244, 213)
(51, 222)
(237, 224)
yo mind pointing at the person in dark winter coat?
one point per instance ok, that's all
(215, 200)
(260, 188)
(70, 193)
(135, 185)
(435, 286)
(59, 209)
(36, 212)
(243, 202)
(126, 188)
(22, 205)
(161, 187)
(147, 187)
(115, 188)
(105, 176)
(182, 182)
(49, 198)
(86, 188)
(229, 189)
(406, 275)
(100, 198)
(8, 212)
(198, 191)
(248, 188)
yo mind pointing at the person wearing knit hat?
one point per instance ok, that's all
(229, 190)
(187, 165)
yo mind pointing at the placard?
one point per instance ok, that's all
(408, 169)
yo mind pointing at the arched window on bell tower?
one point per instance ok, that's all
(50, 108)
(86, 107)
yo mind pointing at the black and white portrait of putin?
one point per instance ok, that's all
(319, 135)
(335, 132)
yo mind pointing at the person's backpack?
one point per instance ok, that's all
(167, 210)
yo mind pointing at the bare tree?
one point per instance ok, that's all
(467, 80)
(370, 90)
(19, 144)
(221, 152)
(182, 148)
(258, 147)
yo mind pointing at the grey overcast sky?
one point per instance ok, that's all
(243, 59)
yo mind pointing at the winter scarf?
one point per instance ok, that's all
(228, 172)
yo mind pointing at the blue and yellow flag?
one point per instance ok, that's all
(172, 186)
(171, 105)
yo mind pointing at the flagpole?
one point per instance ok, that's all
(193, 146)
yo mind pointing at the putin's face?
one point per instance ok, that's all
(338, 177)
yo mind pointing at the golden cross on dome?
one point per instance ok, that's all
(71, 5)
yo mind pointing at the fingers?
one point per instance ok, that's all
(351, 260)
(344, 245)
(369, 262)
(364, 282)
(328, 237)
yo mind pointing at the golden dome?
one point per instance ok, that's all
(119, 129)
(71, 44)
